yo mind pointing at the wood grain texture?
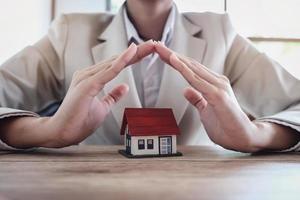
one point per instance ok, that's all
(90, 172)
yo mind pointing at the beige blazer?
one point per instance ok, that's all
(41, 74)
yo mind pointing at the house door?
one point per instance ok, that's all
(165, 145)
(128, 144)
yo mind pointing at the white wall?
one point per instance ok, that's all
(70, 6)
(22, 23)
(186, 5)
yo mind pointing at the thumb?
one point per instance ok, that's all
(115, 95)
(195, 98)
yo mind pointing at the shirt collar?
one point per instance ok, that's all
(132, 34)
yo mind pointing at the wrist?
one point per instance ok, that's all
(252, 142)
(274, 137)
(25, 132)
(260, 136)
(50, 138)
(57, 134)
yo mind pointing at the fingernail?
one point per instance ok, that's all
(149, 41)
(132, 45)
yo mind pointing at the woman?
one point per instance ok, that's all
(237, 80)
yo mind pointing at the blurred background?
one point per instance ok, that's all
(273, 25)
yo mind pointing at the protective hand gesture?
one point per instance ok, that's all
(82, 111)
(225, 122)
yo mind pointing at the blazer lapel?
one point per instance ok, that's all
(112, 42)
(173, 84)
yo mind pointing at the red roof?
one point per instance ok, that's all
(149, 122)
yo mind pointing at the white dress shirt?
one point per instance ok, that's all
(148, 73)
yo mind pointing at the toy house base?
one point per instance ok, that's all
(124, 153)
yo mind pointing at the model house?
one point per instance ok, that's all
(149, 132)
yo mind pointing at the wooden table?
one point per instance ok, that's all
(91, 172)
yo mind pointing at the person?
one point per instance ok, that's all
(219, 86)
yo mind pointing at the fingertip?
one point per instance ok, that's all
(156, 45)
(120, 91)
(132, 48)
(188, 92)
(124, 87)
(150, 42)
(132, 45)
(129, 53)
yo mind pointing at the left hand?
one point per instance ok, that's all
(225, 122)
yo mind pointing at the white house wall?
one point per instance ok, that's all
(174, 144)
(135, 146)
(155, 150)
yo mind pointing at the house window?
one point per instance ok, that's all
(141, 144)
(150, 144)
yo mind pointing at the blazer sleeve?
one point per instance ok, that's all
(34, 78)
(264, 89)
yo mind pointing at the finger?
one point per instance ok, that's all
(124, 59)
(84, 74)
(115, 95)
(117, 66)
(163, 52)
(143, 50)
(101, 66)
(203, 67)
(195, 98)
(197, 82)
(198, 69)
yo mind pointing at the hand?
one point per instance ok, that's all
(81, 111)
(225, 122)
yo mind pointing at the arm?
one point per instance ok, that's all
(27, 132)
(81, 111)
(272, 99)
(221, 114)
(272, 136)
(34, 78)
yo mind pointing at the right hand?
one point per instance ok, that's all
(82, 112)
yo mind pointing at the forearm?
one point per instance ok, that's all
(28, 132)
(271, 136)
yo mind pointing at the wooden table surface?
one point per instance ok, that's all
(99, 172)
